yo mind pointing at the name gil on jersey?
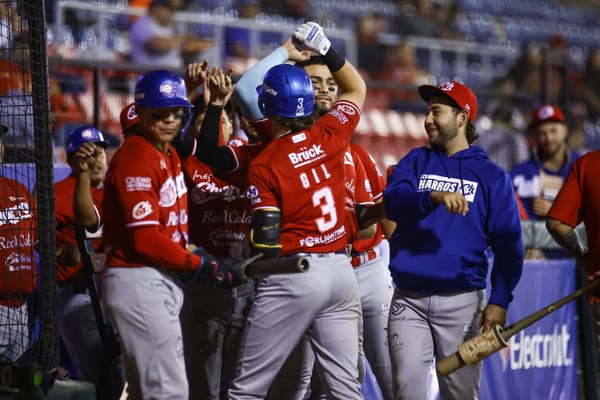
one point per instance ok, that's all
(307, 155)
(438, 183)
(311, 241)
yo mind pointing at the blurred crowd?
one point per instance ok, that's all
(556, 67)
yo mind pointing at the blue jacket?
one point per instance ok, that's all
(434, 251)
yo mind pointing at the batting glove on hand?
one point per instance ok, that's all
(220, 271)
(310, 36)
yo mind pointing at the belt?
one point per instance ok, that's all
(329, 254)
(357, 259)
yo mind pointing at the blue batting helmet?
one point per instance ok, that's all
(161, 89)
(286, 92)
(84, 134)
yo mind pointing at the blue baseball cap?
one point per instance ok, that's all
(82, 135)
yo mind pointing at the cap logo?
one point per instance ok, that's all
(545, 112)
(131, 114)
(87, 134)
(167, 89)
(468, 107)
(447, 86)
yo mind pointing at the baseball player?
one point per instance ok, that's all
(146, 231)
(219, 213)
(373, 277)
(77, 325)
(298, 208)
(451, 203)
(18, 234)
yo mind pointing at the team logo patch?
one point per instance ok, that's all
(131, 114)
(87, 134)
(447, 86)
(252, 192)
(168, 193)
(141, 210)
(545, 112)
(168, 89)
(346, 109)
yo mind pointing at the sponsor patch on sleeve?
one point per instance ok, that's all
(141, 210)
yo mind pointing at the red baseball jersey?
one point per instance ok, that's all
(302, 175)
(65, 228)
(220, 214)
(358, 191)
(18, 234)
(377, 184)
(144, 187)
(577, 201)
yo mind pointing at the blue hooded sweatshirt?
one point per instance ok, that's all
(433, 251)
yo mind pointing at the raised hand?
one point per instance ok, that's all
(220, 86)
(196, 75)
(310, 36)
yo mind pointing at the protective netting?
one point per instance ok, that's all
(28, 330)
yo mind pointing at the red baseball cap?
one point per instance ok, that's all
(546, 113)
(129, 117)
(459, 94)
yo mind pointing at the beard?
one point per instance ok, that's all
(445, 134)
(322, 108)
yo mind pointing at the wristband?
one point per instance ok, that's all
(333, 60)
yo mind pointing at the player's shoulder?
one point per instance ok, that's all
(60, 186)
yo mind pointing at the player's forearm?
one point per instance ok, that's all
(208, 150)
(565, 236)
(83, 203)
(350, 83)
(245, 94)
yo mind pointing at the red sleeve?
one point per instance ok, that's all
(363, 194)
(164, 253)
(567, 205)
(372, 170)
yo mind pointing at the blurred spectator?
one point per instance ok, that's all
(155, 39)
(401, 67)
(11, 24)
(16, 102)
(237, 39)
(538, 180)
(531, 75)
(370, 52)
(503, 140)
(587, 87)
(417, 17)
(526, 74)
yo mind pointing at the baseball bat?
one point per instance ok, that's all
(482, 346)
(256, 266)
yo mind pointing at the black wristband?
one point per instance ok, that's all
(333, 60)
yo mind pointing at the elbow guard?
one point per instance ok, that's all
(265, 233)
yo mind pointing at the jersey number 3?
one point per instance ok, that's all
(324, 199)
